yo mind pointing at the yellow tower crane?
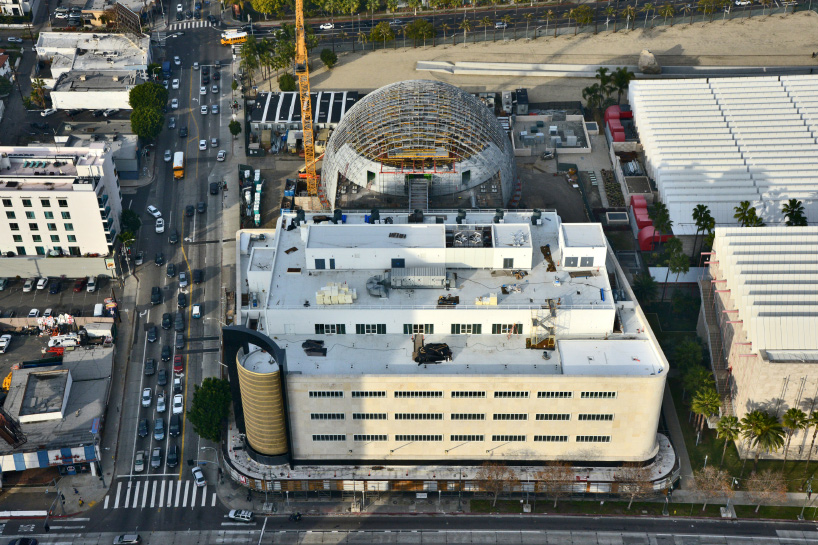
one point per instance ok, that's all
(302, 72)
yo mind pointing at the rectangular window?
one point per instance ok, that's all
(418, 438)
(419, 394)
(551, 438)
(510, 416)
(39, 250)
(598, 395)
(330, 329)
(467, 329)
(508, 262)
(468, 394)
(508, 438)
(370, 329)
(327, 416)
(49, 215)
(55, 238)
(17, 238)
(555, 395)
(6, 202)
(329, 437)
(69, 226)
(596, 417)
(369, 438)
(570, 262)
(34, 227)
(554, 416)
(467, 416)
(45, 203)
(36, 238)
(418, 416)
(72, 238)
(506, 329)
(410, 329)
(27, 203)
(369, 416)
(320, 264)
(14, 227)
(74, 250)
(10, 215)
(52, 226)
(66, 215)
(21, 250)
(593, 438)
(511, 394)
(465, 438)
(586, 261)
(330, 393)
(368, 393)
(30, 216)
(63, 203)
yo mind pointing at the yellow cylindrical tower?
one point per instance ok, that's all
(262, 400)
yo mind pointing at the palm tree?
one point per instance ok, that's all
(793, 210)
(764, 432)
(701, 215)
(661, 220)
(363, 38)
(696, 378)
(688, 10)
(605, 78)
(666, 11)
(705, 403)
(548, 15)
(485, 22)
(646, 9)
(742, 212)
(677, 261)
(644, 287)
(621, 79)
(444, 27)
(466, 25)
(610, 13)
(728, 429)
(764, 4)
(583, 15)
(528, 17)
(628, 13)
(507, 20)
(812, 422)
(794, 419)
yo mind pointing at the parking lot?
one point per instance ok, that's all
(13, 299)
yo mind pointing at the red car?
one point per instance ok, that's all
(79, 285)
(177, 364)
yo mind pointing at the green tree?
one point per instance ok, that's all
(38, 92)
(235, 128)
(793, 420)
(677, 261)
(696, 378)
(644, 287)
(148, 95)
(267, 7)
(594, 97)
(210, 408)
(629, 13)
(605, 79)
(705, 403)
(793, 210)
(764, 432)
(621, 80)
(329, 58)
(728, 429)
(154, 70)
(382, 33)
(667, 10)
(286, 82)
(466, 26)
(661, 220)
(126, 238)
(688, 354)
(234, 85)
(583, 16)
(5, 86)
(147, 123)
(129, 221)
(812, 422)
(646, 9)
(610, 14)
(702, 217)
(485, 22)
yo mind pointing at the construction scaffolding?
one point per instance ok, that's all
(413, 130)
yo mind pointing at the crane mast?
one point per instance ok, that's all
(302, 72)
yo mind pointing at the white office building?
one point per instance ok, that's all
(58, 201)
(447, 337)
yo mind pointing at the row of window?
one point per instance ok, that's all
(45, 203)
(40, 250)
(412, 329)
(466, 394)
(38, 238)
(468, 438)
(10, 214)
(464, 416)
(36, 227)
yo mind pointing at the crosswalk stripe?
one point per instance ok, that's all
(153, 494)
(162, 494)
(106, 501)
(136, 493)
(178, 493)
(193, 499)
(204, 496)
(128, 494)
(213, 503)
(145, 495)
(118, 490)
(184, 499)
(170, 493)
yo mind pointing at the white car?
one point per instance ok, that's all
(160, 225)
(214, 89)
(175, 84)
(202, 145)
(178, 404)
(222, 155)
(214, 142)
(165, 83)
(160, 402)
(743, 2)
(195, 65)
(203, 109)
(139, 463)
(48, 312)
(153, 211)
(176, 60)
(179, 9)
(5, 341)
(42, 283)
(168, 156)
(47, 112)
(60, 15)
(174, 104)
(214, 108)
(146, 397)
(33, 313)
(29, 285)
(14, 40)
(326, 26)
(198, 476)
(203, 90)
(110, 112)
(500, 24)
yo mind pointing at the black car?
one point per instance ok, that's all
(160, 259)
(189, 210)
(73, 112)
(175, 427)
(166, 353)
(162, 377)
(75, 312)
(216, 76)
(183, 132)
(150, 366)
(98, 113)
(179, 322)
(143, 427)
(181, 300)
(153, 334)
(39, 125)
(214, 188)
(171, 270)
(205, 70)
(211, 19)
(205, 80)
(174, 237)
(173, 456)
(198, 276)
(166, 318)
(188, 14)
(179, 16)
(197, 14)
(180, 341)
(172, 123)
(156, 295)
(55, 287)
(201, 207)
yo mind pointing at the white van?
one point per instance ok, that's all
(92, 284)
(98, 309)
(197, 311)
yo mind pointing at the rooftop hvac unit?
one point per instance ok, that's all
(466, 239)
(419, 277)
(375, 286)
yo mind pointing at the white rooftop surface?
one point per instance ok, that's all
(585, 236)
(292, 289)
(718, 141)
(259, 361)
(471, 355)
(93, 51)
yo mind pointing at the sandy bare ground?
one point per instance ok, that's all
(760, 41)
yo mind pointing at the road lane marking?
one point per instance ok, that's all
(204, 496)
(106, 501)
(193, 497)
(170, 493)
(162, 494)
(136, 494)
(128, 494)
(184, 498)
(213, 503)
(145, 495)
(153, 494)
(118, 490)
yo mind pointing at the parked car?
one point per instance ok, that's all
(166, 353)
(198, 476)
(139, 462)
(180, 341)
(156, 456)
(91, 284)
(29, 285)
(241, 515)
(166, 320)
(156, 295)
(55, 287)
(179, 322)
(80, 284)
(173, 456)
(221, 156)
(15, 40)
(142, 429)
(177, 385)
(110, 112)
(150, 366)
(182, 279)
(5, 342)
(178, 404)
(181, 300)
(178, 366)
(160, 402)
(214, 188)
(159, 429)
(153, 334)
(175, 426)
(42, 283)
(33, 313)
(48, 313)
(48, 111)
(162, 377)
(147, 397)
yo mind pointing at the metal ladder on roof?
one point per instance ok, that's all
(418, 194)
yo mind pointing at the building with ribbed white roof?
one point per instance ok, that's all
(761, 305)
(720, 141)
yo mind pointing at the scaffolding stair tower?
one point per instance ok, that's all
(718, 364)
(419, 194)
